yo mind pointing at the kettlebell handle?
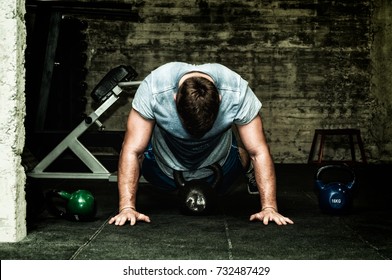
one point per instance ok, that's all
(216, 169)
(336, 166)
(50, 204)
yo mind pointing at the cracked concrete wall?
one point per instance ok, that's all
(313, 64)
(381, 125)
(12, 113)
(308, 61)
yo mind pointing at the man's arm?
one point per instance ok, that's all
(254, 141)
(137, 136)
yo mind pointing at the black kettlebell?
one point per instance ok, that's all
(77, 206)
(198, 197)
(335, 197)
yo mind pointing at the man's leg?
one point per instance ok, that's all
(234, 167)
(244, 156)
(153, 174)
(246, 164)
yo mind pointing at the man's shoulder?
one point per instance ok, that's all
(170, 66)
(179, 65)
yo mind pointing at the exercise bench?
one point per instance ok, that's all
(107, 92)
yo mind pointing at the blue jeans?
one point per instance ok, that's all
(232, 169)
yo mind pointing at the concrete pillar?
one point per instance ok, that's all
(12, 114)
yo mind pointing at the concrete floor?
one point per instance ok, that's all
(365, 233)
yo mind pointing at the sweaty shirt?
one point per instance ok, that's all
(173, 147)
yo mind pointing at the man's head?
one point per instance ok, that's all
(197, 103)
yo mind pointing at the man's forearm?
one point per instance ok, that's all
(266, 181)
(128, 180)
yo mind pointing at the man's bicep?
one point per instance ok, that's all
(252, 136)
(138, 132)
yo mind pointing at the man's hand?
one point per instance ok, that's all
(129, 215)
(269, 214)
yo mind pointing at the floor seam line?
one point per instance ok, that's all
(228, 239)
(365, 241)
(92, 237)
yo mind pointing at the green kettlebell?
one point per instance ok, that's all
(80, 205)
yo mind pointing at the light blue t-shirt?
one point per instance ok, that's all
(173, 147)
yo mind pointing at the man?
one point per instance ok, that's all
(181, 119)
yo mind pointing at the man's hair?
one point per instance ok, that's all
(197, 103)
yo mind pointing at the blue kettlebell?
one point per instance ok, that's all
(335, 197)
